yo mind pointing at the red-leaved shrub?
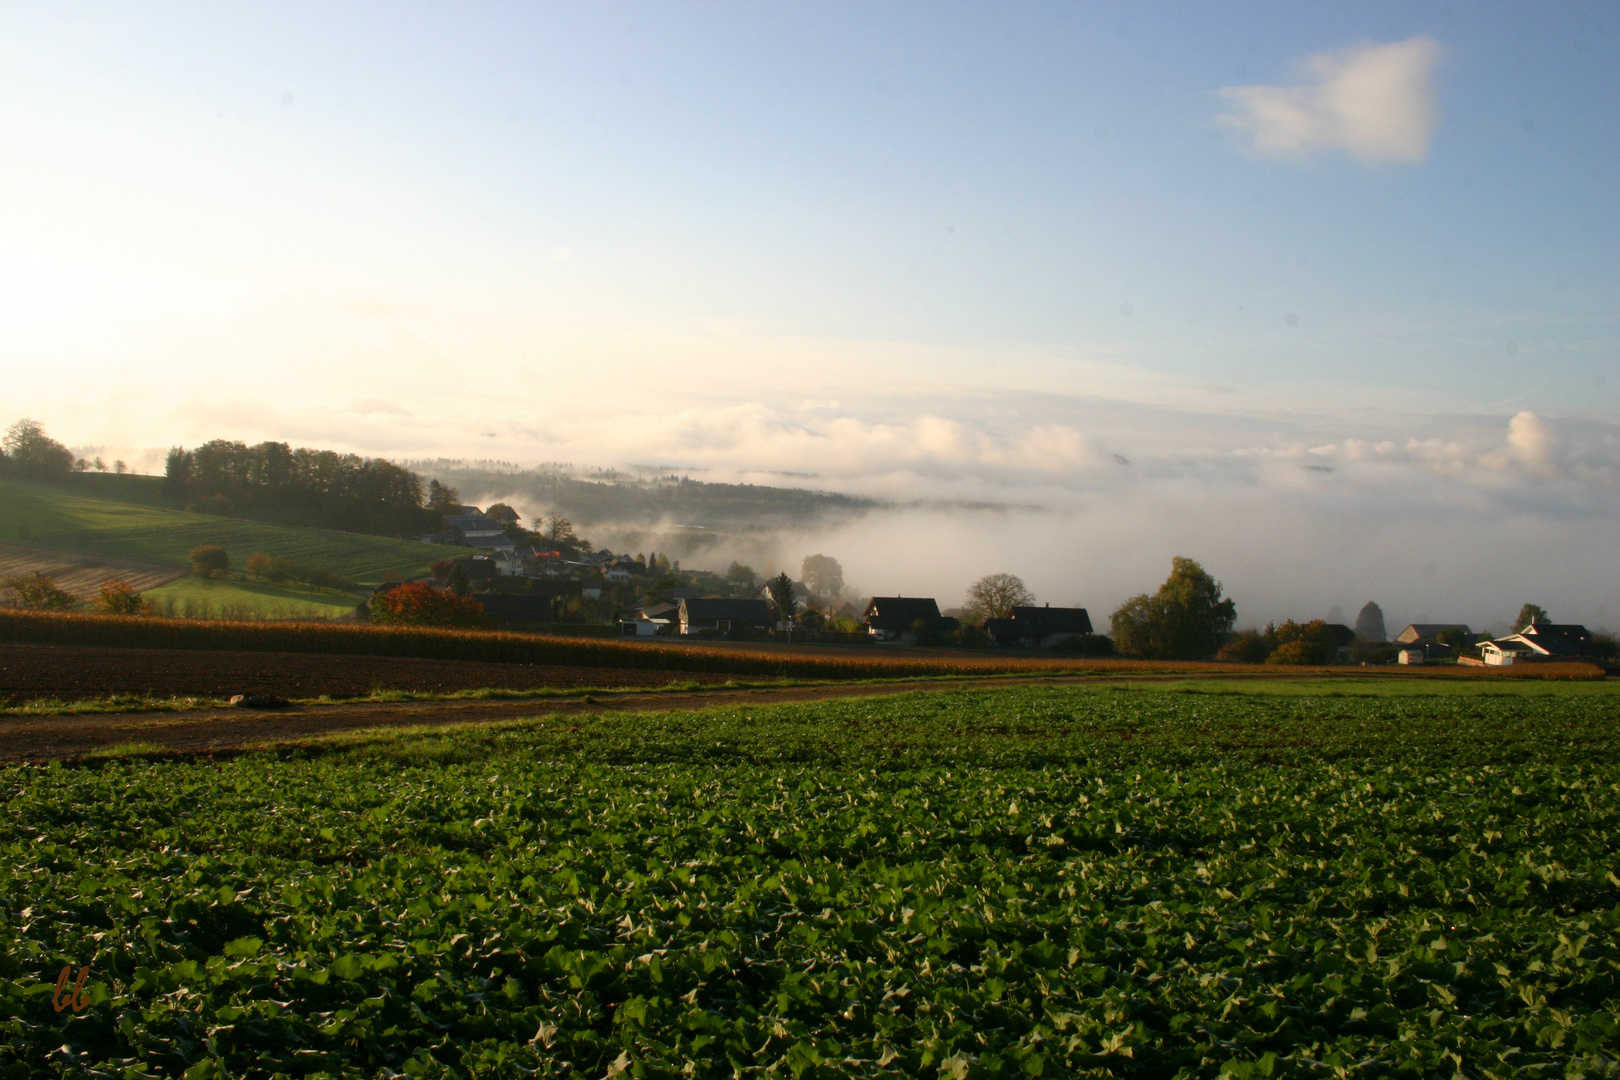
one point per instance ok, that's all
(422, 605)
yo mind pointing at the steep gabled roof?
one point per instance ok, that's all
(717, 610)
(1427, 631)
(1574, 631)
(1342, 634)
(1551, 644)
(900, 612)
(473, 523)
(1052, 620)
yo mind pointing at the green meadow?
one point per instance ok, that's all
(123, 517)
(206, 598)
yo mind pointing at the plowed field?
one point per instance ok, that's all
(31, 672)
(82, 575)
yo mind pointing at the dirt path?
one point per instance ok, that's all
(200, 731)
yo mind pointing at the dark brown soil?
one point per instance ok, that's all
(67, 672)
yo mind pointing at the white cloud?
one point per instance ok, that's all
(1374, 101)
(1533, 439)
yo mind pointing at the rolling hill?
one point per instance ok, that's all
(121, 517)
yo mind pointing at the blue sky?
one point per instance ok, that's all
(955, 250)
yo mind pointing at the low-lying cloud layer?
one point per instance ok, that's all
(1438, 518)
(1375, 102)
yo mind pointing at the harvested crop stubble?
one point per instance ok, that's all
(81, 575)
(62, 672)
(1032, 882)
(511, 648)
(489, 646)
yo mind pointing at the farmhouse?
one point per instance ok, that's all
(639, 625)
(1540, 642)
(1425, 637)
(478, 531)
(1426, 632)
(699, 615)
(622, 569)
(1344, 641)
(895, 618)
(1039, 627)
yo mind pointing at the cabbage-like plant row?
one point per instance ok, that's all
(1020, 882)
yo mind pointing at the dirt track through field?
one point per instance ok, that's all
(203, 731)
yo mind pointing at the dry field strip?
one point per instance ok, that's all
(82, 575)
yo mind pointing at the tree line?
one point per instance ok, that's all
(271, 481)
(300, 486)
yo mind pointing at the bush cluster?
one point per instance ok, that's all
(1290, 643)
(423, 605)
(38, 592)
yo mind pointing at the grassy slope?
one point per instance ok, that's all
(123, 516)
(202, 598)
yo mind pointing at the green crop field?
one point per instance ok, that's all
(121, 516)
(1115, 882)
(211, 598)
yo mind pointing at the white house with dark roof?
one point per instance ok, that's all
(1540, 642)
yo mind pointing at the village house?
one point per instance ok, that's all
(1344, 642)
(895, 618)
(478, 531)
(623, 569)
(1039, 627)
(539, 562)
(649, 621)
(1420, 642)
(1540, 642)
(715, 615)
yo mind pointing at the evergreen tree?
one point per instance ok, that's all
(781, 590)
(1370, 623)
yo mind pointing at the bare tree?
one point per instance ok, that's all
(994, 596)
(557, 529)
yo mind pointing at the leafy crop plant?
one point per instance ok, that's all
(1011, 883)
